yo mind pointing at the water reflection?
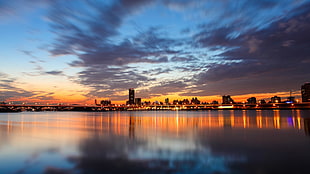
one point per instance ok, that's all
(155, 142)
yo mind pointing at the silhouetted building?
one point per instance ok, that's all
(305, 92)
(156, 102)
(214, 102)
(146, 103)
(275, 99)
(138, 101)
(167, 101)
(105, 102)
(175, 102)
(262, 101)
(195, 101)
(251, 100)
(185, 102)
(131, 100)
(227, 99)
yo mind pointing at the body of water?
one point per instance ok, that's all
(204, 142)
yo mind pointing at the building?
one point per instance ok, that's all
(251, 100)
(262, 101)
(195, 101)
(275, 99)
(185, 102)
(105, 102)
(167, 101)
(305, 92)
(227, 99)
(175, 102)
(131, 97)
(138, 101)
(214, 102)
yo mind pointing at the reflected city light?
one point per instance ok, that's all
(165, 140)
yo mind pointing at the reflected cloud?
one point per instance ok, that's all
(113, 154)
(158, 142)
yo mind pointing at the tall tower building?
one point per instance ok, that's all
(131, 100)
(305, 92)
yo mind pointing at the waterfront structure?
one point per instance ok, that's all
(131, 100)
(305, 92)
(251, 100)
(227, 99)
(275, 99)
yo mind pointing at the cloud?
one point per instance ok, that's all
(54, 72)
(90, 37)
(8, 89)
(270, 60)
(168, 87)
(157, 71)
(111, 82)
(85, 26)
(242, 43)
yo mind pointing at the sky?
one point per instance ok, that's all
(75, 51)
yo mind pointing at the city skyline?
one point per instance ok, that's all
(78, 51)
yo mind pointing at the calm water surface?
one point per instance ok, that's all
(171, 142)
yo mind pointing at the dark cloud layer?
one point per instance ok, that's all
(270, 60)
(235, 47)
(109, 82)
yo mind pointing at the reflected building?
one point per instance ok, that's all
(307, 126)
(305, 92)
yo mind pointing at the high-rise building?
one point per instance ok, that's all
(131, 100)
(305, 92)
(227, 99)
